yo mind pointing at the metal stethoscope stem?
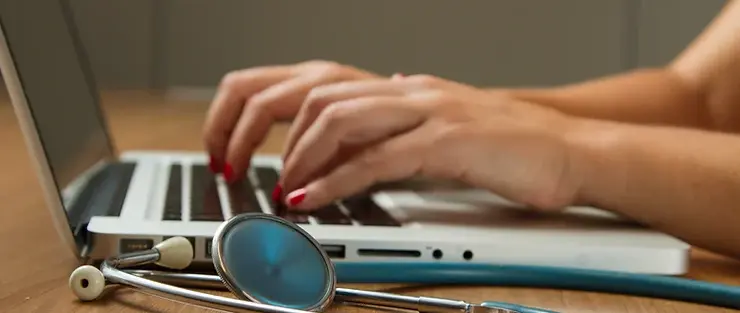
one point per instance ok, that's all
(348, 296)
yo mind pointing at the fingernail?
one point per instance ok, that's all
(228, 173)
(277, 193)
(213, 164)
(296, 197)
(397, 76)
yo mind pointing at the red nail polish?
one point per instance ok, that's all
(277, 193)
(214, 165)
(296, 197)
(228, 173)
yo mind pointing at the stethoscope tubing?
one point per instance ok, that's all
(644, 285)
(652, 286)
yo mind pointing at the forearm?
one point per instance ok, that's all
(680, 181)
(647, 96)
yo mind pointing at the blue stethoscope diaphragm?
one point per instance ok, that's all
(265, 259)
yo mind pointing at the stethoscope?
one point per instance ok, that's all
(272, 265)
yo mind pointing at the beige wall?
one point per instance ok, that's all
(166, 43)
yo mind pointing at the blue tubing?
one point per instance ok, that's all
(652, 286)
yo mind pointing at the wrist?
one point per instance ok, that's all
(593, 147)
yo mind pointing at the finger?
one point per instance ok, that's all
(397, 158)
(321, 97)
(276, 102)
(355, 122)
(234, 91)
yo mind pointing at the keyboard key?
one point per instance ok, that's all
(103, 194)
(242, 197)
(298, 218)
(364, 210)
(331, 215)
(268, 178)
(121, 175)
(204, 201)
(173, 201)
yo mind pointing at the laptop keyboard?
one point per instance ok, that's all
(205, 201)
(205, 204)
(173, 202)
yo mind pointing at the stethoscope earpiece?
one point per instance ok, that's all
(87, 282)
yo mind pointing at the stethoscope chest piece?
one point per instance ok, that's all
(265, 259)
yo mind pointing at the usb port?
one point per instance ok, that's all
(334, 251)
(133, 245)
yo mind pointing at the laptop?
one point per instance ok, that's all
(104, 202)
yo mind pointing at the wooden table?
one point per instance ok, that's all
(35, 265)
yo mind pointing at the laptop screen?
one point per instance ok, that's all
(60, 94)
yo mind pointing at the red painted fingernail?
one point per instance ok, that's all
(296, 197)
(214, 165)
(277, 193)
(228, 173)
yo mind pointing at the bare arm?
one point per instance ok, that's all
(680, 180)
(700, 88)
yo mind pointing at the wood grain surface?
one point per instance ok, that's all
(35, 265)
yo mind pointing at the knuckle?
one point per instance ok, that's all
(438, 100)
(425, 80)
(259, 104)
(233, 79)
(326, 70)
(317, 99)
(335, 115)
(329, 72)
(442, 98)
(323, 68)
(317, 63)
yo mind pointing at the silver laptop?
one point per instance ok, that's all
(104, 202)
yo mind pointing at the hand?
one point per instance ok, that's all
(422, 125)
(249, 101)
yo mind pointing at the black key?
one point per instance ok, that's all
(123, 172)
(331, 215)
(110, 193)
(363, 209)
(204, 201)
(298, 218)
(173, 201)
(268, 178)
(104, 193)
(242, 197)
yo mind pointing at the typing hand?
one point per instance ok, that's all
(422, 125)
(249, 101)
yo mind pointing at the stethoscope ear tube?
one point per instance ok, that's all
(652, 286)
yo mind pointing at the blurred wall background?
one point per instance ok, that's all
(190, 44)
